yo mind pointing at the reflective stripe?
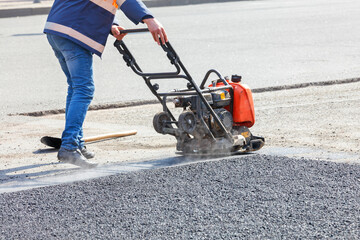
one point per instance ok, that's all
(106, 4)
(75, 34)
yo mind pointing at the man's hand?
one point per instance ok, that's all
(115, 30)
(157, 30)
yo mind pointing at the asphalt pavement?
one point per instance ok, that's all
(20, 8)
(253, 197)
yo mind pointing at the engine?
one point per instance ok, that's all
(217, 99)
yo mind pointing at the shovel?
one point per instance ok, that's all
(56, 142)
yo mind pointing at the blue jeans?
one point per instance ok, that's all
(76, 63)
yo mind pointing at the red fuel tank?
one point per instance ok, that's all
(243, 108)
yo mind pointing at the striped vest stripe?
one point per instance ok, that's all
(75, 34)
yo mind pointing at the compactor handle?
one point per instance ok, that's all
(137, 30)
(131, 62)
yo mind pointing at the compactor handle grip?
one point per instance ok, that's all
(137, 30)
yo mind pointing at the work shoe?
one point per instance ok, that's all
(86, 153)
(74, 157)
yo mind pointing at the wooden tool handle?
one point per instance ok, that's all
(110, 135)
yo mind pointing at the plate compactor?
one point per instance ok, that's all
(215, 119)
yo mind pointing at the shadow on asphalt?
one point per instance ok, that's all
(11, 174)
(45, 151)
(180, 160)
(23, 181)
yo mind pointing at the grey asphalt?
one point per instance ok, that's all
(270, 43)
(251, 197)
(20, 8)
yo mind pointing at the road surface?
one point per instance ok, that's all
(268, 42)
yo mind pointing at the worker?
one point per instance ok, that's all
(77, 29)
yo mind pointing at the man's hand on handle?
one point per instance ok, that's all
(115, 30)
(154, 26)
(156, 30)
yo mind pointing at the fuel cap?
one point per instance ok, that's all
(236, 78)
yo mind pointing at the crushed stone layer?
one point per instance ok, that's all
(251, 197)
(324, 120)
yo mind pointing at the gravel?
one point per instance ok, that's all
(251, 197)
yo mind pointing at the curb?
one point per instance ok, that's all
(147, 102)
(38, 10)
(22, 12)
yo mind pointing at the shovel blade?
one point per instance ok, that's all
(51, 141)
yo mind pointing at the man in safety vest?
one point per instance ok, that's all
(77, 29)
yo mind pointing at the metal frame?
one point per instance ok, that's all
(180, 72)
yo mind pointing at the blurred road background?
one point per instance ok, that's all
(269, 43)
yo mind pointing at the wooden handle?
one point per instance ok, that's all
(110, 135)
